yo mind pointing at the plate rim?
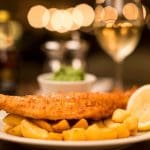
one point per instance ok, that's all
(100, 143)
(142, 136)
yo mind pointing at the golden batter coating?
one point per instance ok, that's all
(65, 106)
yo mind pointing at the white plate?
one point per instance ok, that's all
(59, 145)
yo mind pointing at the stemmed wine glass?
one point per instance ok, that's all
(118, 25)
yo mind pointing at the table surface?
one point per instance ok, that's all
(11, 146)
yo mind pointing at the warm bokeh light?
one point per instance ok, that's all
(110, 14)
(15, 29)
(45, 18)
(61, 21)
(51, 12)
(56, 20)
(87, 13)
(38, 16)
(78, 17)
(144, 11)
(130, 11)
(67, 20)
(55, 65)
(99, 14)
(125, 24)
(4, 15)
(76, 63)
(74, 26)
(100, 1)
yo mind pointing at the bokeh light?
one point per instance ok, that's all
(87, 13)
(78, 17)
(130, 11)
(56, 20)
(100, 1)
(4, 15)
(67, 20)
(144, 11)
(74, 26)
(61, 21)
(45, 18)
(99, 14)
(110, 14)
(38, 16)
(51, 12)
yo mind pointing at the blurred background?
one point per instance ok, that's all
(29, 59)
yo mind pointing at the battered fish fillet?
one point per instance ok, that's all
(65, 106)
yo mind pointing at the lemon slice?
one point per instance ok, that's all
(139, 106)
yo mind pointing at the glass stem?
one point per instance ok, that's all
(118, 76)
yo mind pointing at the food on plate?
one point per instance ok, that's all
(55, 136)
(68, 131)
(68, 73)
(43, 124)
(13, 120)
(86, 105)
(15, 130)
(139, 106)
(82, 123)
(75, 134)
(70, 116)
(94, 132)
(100, 124)
(121, 128)
(30, 130)
(61, 126)
(132, 123)
(120, 115)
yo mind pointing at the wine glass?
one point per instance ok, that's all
(118, 25)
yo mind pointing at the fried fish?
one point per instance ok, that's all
(86, 105)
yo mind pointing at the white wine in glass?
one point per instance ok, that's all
(118, 26)
(118, 41)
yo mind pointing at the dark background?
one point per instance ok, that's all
(33, 38)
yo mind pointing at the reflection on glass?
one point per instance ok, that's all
(123, 39)
(76, 50)
(55, 52)
(118, 29)
(71, 53)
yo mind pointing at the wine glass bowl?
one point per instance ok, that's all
(123, 39)
(118, 25)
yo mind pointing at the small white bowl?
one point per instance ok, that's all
(48, 86)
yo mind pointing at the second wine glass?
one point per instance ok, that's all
(118, 25)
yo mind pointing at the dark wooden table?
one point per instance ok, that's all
(12, 146)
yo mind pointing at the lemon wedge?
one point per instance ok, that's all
(139, 106)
